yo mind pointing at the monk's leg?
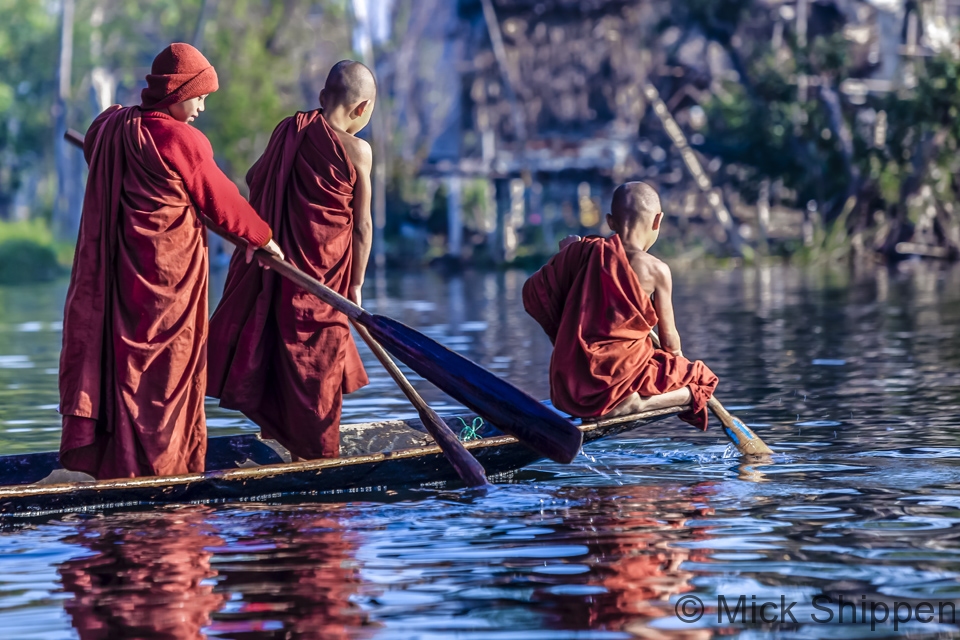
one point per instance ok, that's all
(637, 404)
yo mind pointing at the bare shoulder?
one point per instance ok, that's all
(652, 272)
(661, 271)
(358, 149)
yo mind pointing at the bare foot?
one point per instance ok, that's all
(636, 404)
(62, 476)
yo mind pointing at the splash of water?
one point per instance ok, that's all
(597, 471)
(702, 459)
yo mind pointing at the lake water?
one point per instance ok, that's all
(852, 377)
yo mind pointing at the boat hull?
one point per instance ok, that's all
(411, 460)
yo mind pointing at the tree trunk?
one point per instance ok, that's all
(714, 195)
(66, 212)
(379, 134)
(207, 9)
(840, 129)
(454, 218)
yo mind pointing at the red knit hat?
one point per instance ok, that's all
(179, 73)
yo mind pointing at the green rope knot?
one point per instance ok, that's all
(469, 431)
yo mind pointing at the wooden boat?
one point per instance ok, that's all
(376, 458)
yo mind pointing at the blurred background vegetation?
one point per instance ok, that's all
(804, 129)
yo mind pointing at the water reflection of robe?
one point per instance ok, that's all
(312, 576)
(640, 562)
(147, 577)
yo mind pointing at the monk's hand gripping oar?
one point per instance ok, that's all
(495, 400)
(743, 438)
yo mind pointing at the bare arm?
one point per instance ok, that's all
(663, 304)
(362, 157)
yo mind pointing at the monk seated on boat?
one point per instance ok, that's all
(598, 300)
(133, 363)
(277, 353)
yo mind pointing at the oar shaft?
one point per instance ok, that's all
(305, 281)
(468, 468)
(74, 137)
(391, 367)
(719, 410)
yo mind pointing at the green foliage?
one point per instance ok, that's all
(828, 55)
(28, 253)
(35, 230)
(925, 117)
(887, 176)
(261, 51)
(474, 201)
(763, 128)
(28, 37)
(271, 58)
(768, 133)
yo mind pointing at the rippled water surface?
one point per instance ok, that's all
(853, 378)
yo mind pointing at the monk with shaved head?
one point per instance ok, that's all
(598, 300)
(277, 353)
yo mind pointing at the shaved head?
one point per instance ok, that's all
(349, 83)
(634, 202)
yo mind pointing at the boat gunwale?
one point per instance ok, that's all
(269, 470)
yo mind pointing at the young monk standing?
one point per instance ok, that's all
(133, 364)
(598, 299)
(277, 353)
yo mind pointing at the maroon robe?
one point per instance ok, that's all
(277, 353)
(133, 364)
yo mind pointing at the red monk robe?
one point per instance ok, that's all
(589, 301)
(277, 353)
(132, 368)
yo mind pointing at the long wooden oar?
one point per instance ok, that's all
(743, 438)
(494, 399)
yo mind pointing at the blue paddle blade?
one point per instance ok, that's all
(744, 439)
(739, 432)
(733, 434)
(495, 400)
